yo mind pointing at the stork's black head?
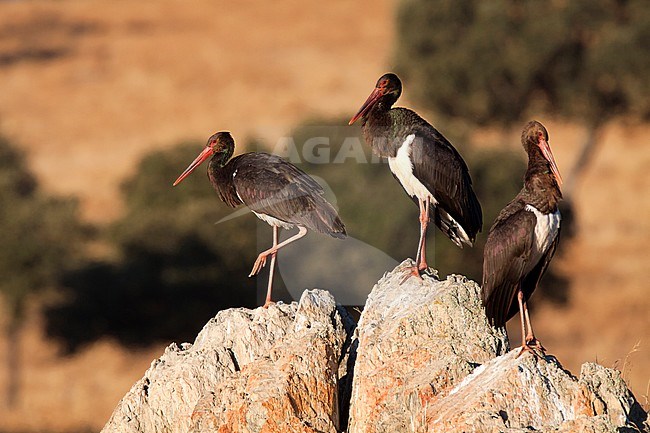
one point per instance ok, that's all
(534, 138)
(387, 91)
(220, 147)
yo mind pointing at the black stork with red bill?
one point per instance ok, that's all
(523, 239)
(425, 163)
(278, 192)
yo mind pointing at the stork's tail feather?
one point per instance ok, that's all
(338, 229)
(450, 227)
(494, 316)
(324, 219)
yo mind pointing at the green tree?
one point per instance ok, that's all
(41, 238)
(500, 61)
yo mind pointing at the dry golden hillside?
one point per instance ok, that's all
(87, 88)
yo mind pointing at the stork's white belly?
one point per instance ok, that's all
(402, 167)
(546, 230)
(273, 221)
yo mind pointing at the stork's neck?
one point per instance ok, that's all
(220, 170)
(540, 186)
(222, 179)
(383, 131)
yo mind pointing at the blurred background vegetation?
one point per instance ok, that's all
(503, 61)
(469, 62)
(42, 239)
(167, 267)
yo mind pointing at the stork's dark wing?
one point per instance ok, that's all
(505, 260)
(269, 185)
(442, 170)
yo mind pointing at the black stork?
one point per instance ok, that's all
(278, 192)
(522, 241)
(428, 167)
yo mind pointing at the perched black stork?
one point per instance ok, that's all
(278, 192)
(425, 163)
(522, 241)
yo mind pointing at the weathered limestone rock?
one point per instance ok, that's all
(427, 361)
(609, 395)
(262, 370)
(415, 340)
(526, 393)
(423, 359)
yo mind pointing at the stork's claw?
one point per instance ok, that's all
(411, 271)
(532, 345)
(259, 264)
(533, 342)
(530, 349)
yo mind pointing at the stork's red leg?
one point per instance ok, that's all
(415, 270)
(418, 255)
(261, 259)
(525, 347)
(272, 268)
(424, 222)
(530, 335)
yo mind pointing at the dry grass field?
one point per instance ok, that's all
(87, 88)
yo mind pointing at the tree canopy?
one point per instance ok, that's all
(41, 235)
(498, 61)
(41, 238)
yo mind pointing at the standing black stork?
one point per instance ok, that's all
(278, 192)
(425, 163)
(522, 241)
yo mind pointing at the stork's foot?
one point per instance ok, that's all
(527, 348)
(260, 262)
(418, 271)
(533, 342)
(267, 304)
(411, 271)
(536, 349)
(424, 269)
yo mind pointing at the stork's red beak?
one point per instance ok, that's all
(207, 153)
(372, 100)
(546, 151)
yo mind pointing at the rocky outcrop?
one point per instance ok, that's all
(262, 370)
(428, 361)
(422, 359)
(416, 339)
(526, 393)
